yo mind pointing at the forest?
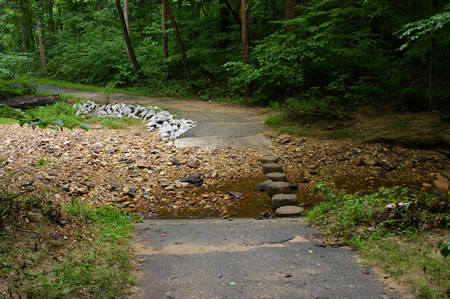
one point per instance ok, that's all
(285, 53)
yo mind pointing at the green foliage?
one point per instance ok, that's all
(11, 88)
(444, 247)
(42, 162)
(342, 51)
(41, 117)
(388, 211)
(274, 121)
(418, 29)
(18, 64)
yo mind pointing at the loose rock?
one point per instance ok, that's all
(272, 167)
(276, 176)
(288, 211)
(279, 188)
(280, 200)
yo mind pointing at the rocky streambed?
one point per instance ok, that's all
(135, 170)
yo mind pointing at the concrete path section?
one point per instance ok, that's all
(246, 258)
(219, 124)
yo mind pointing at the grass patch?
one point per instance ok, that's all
(65, 112)
(87, 256)
(7, 121)
(391, 228)
(171, 88)
(274, 121)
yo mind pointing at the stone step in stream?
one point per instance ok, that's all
(284, 199)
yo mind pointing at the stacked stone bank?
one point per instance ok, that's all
(284, 199)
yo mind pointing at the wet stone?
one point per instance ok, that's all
(264, 186)
(276, 176)
(272, 167)
(269, 159)
(288, 211)
(280, 200)
(279, 188)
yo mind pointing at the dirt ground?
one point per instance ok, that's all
(134, 170)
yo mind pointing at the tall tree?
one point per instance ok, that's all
(42, 53)
(127, 37)
(244, 35)
(127, 24)
(165, 48)
(290, 14)
(51, 22)
(22, 29)
(178, 37)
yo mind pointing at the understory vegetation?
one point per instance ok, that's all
(54, 250)
(404, 233)
(62, 114)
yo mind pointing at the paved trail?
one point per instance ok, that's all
(246, 258)
(243, 258)
(220, 124)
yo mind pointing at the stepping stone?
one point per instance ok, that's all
(276, 176)
(269, 159)
(264, 186)
(272, 167)
(288, 211)
(280, 200)
(279, 188)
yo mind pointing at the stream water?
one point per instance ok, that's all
(253, 203)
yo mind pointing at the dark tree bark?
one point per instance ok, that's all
(51, 22)
(244, 35)
(22, 29)
(178, 37)
(127, 37)
(127, 24)
(33, 101)
(42, 53)
(59, 20)
(165, 47)
(28, 26)
(290, 14)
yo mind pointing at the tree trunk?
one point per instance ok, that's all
(178, 37)
(27, 25)
(290, 14)
(33, 101)
(165, 48)
(42, 54)
(51, 22)
(22, 29)
(244, 34)
(59, 20)
(127, 24)
(127, 37)
(434, 4)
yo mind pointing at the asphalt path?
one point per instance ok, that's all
(219, 124)
(246, 258)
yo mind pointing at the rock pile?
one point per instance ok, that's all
(284, 199)
(158, 119)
